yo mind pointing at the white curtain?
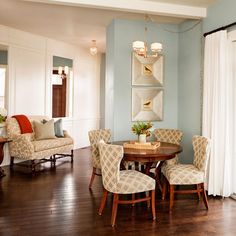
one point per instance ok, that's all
(219, 113)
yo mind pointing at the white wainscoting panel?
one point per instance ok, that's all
(29, 79)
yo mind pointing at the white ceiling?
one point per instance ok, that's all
(73, 24)
(196, 3)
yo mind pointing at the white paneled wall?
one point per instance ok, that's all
(29, 71)
(30, 66)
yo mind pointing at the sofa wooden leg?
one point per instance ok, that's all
(12, 163)
(33, 167)
(54, 160)
(72, 156)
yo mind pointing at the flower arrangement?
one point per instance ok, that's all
(142, 128)
(3, 115)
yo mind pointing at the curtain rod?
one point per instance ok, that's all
(218, 29)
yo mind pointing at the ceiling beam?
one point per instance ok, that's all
(136, 6)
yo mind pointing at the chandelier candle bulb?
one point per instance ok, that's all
(93, 49)
(138, 45)
(156, 47)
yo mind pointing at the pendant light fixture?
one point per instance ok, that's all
(141, 47)
(93, 49)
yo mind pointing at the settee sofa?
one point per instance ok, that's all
(26, 147)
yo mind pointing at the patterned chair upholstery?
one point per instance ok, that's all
(186, 174)
(169, 136)
(122, 182)
(25, 147)
(95, 136)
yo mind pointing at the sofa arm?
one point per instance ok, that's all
(66, 134)
(21, 146)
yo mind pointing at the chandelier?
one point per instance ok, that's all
(93, 49)
(141, 48)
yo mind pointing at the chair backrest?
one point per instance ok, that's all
(201, 148)
(110, 157)
(169, 136)
(94, 137)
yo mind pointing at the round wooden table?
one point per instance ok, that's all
(166, 151)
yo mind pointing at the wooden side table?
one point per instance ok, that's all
(2, 142)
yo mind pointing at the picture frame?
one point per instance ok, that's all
(147, 71)
(147, 104)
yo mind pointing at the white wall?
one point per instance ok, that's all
(30, 66)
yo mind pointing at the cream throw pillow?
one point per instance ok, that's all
(44, 131)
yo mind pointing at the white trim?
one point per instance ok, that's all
(233, 196)
(137, 6)
(232, 35)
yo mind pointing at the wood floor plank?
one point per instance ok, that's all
(57, 201)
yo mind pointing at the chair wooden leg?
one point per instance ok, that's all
(171, 196)
(114, 209)
(199, 191)
(158, 175)
(92, 177)
(133, 198)
(72, 156)
(153, 204)
(103, 202)
(204, 196)
(12, 163)
(163, 194)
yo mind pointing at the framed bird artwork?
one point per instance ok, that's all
(147, 71)
(147, 104)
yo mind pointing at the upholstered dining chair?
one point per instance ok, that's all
(189, 174)
(169, 136)
(122, 182)
(94, 137)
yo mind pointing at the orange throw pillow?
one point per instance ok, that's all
(24, 123)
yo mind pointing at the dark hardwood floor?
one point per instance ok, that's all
(57, 201)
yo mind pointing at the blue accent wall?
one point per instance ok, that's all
(189, 85)
(183, 71)
(120, 35)
(220, 14)
(102, 90)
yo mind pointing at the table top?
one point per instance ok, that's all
(4, 140)
(166, 151)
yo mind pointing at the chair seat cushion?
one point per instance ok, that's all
(42, 145)
(183, 174)
(132, 181)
